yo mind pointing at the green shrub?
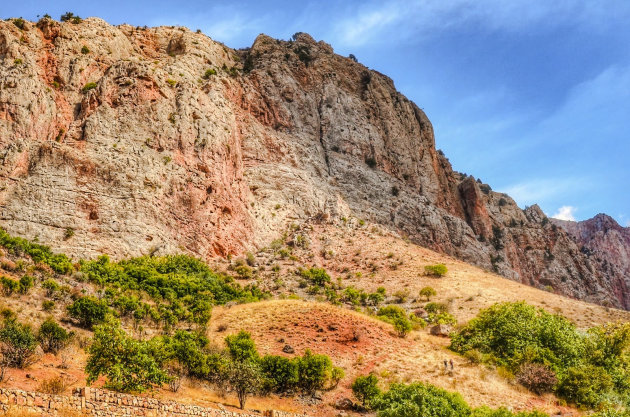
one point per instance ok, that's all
(402, 325)
(26, 283)
(504, 412)
(9, 286)
(389, 313)
(376, 298)
(188, 349)
(314, 371)
(427, 292)
(19, 22)
(241, 347)
(591, 367)
(129, 365)
(515, 333)
(436, 308)
(420, 400)
(281, 373)
(52, 337)
(243, 272)
(401, 296)
(88, 311)
(71, 17)
(184, 288)
(172, 83)
(354, 296)
(317, 276)
(365, 389)
(59, 263)
(17, 343)
(209, 73)
(51, 287)
(336, 375)
(85, 50)
(586, 386)
(48, 305)
(89, 86)
(438, 270)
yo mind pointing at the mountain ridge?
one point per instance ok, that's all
(129, 141)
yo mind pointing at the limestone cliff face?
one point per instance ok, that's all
(160, 139)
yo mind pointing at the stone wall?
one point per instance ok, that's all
(101, 403)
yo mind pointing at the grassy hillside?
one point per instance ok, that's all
(316, 309)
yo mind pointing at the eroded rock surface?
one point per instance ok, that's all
(145, 140)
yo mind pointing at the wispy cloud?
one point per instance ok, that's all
(565, 213)
(430, 17)
(542, 190)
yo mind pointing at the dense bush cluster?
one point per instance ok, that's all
(182, 288)
(437, 270)
(547, 352)
(134, 365)
(18, 341)
(317, 281)
(402, 321)
(420, 400)
(59, 263)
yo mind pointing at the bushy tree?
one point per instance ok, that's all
(52, 337)
(585, 386)
(17, 343)
(402, 325)
(515, 333)
(88, 311)
(398, 317)
(428, 292)
(130, 365)
(420, 400)
(365, 389)
(244, 378)
(241, 347)
(314, 371)
(188, 350)
(281, 374)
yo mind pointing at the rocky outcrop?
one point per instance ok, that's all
(607, 244)
(145, 140)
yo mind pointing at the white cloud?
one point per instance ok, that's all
(565, 213)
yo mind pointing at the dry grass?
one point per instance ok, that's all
(327, 329)
(465, 288)
(19, 411)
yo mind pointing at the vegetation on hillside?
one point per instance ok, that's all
(132, 365)
(547, 353)
(420, 400)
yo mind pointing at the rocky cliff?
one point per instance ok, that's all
(607, 244)
(128, 140)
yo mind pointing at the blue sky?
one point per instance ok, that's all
(531, 96)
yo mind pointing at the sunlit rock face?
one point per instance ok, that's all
(160, 140)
